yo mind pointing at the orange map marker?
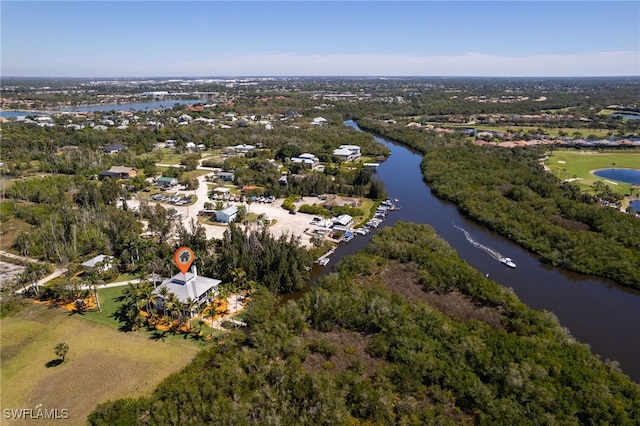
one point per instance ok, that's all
(183, 258)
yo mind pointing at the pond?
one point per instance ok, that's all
(621, 175)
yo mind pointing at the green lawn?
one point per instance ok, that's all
(577, 165)
(102, 363)
(110, 304)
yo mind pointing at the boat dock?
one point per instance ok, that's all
(324, 259)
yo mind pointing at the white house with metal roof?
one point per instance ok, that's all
(189, 286)
(347, 152)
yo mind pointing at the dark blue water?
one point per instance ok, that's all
(635, 205)
(621, 175)
(597, 312)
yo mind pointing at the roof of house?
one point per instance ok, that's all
(113, 147)
(94, 261)
(189, 285)
(342, 152)
(121, 169)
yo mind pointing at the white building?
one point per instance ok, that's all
(306, 158)
(319, 121)
(103, 261)
(227, 214)
(347, 152)
(189, 286)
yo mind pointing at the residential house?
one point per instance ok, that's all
(104, 262)
(113, 148)
(306, 158)
(347, 152)
(333, 200)
(118, 172)
(227, 214)
(189, 286)
(243, 148)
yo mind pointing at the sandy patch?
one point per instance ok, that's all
(562, 162)
(9, 272)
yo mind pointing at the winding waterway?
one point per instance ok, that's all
(597, 312)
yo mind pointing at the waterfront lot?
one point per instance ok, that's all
(577, 166)
(102, 364)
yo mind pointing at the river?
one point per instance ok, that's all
(597, 312)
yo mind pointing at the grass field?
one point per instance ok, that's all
(578, 164)
(102, 363)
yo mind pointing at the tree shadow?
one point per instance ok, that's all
(159, 335)
(198, 337)
(53, 363)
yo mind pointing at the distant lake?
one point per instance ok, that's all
(627, 115)
(9, 114)
(621, 175)
(136, 106)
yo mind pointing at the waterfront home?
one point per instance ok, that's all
(189, 286)
(347, 152)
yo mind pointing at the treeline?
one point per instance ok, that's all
(508, 191)
(365, 346)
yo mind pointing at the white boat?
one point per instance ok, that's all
(323, 262)
(507, 261)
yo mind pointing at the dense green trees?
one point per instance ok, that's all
(365, 347)
(279, 263)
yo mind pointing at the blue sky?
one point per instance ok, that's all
(362, 38)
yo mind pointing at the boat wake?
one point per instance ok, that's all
(493, 253)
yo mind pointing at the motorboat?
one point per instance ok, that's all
(507, 261)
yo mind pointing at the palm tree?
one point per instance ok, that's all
(61, 350)
(163, 293)
(95, 280)
(190, 306)
(172, 304)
